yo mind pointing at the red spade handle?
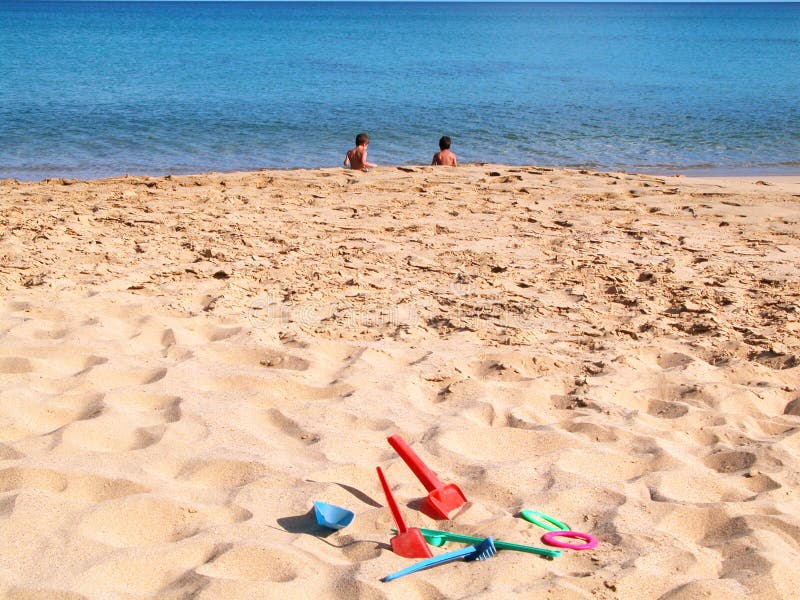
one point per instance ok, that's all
(398, 518)
(420, 469)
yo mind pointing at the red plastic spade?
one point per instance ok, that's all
(442, 499)
(408, 542)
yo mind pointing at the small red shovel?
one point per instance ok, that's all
(408, 542)
(442, 499)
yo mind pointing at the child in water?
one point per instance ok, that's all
(444, 156)
(357, 157)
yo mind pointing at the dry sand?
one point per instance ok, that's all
(187, 362)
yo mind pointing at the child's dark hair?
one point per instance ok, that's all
(361, 139)
(444, 143)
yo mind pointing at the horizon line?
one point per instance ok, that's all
(414, 1)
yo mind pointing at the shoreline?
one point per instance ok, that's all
(738, 175)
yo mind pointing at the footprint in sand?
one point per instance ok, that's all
(156, 408)
(775, 360)
(759, 483)
(52, 361)
(512, 366)
(15, 365)
(689, 522)
(38, 593)
(8, 453)
(674, 360)
(79, 486)
(730, 462)
(18, 306)
(271, 390)
(502, 444)
(143, 573)
(724, 530)
(155, 338)
(359, 551)
(793, 408)
(109, 378)
(730, 589)
(95, 488)
(783, 525)
(144, 520)
(40, 314)
(257, 563)
(671, 487)
(674, 561)
(130, 420)
(604, 466)
(50, 334)
(593, 431)
(289, 427)
(253, 357)
(499, 370)
(347, 420)
(34, 413)
(216, 333)
(45, 480)
(111, 433)
(666, 410)
(221, 473)
(463, 392)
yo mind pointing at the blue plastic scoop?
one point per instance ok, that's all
(332, 516)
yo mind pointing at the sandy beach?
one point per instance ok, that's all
(188, 362)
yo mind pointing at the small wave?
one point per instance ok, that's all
(678, 167)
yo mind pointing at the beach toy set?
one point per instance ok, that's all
(441, 502)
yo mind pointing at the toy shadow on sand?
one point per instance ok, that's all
(305, 523)
(421, 505)
(355, 491)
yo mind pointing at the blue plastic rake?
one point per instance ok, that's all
(480, 551)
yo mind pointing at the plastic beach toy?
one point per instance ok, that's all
(331, 516)
(442, 499)
(408, 542)
(480, 551)
(549, 538)
(439, 538)
(544, 521)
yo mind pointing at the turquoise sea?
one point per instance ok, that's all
(90, 89)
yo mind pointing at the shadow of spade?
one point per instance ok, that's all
(354, 491)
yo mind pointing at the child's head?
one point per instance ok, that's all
(444, 143)
(362, 139)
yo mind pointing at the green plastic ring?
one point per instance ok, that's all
(530, 516)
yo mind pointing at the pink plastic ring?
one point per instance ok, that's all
(549, 539)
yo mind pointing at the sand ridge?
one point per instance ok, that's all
(187, 362)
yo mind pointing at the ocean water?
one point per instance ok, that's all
(92, 89)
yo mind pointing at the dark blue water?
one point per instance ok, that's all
(92, 89)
